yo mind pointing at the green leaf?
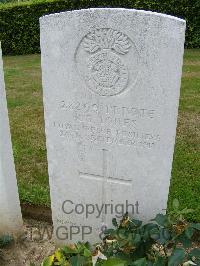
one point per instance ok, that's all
(123, 242)
(195, 226)
(109, 232)
(68, 250)
(77, 260)
(122, 233)
(87, 253)
(136, 239)
(88, 245)
(185, 241)
(114, 262)
(195, 254)
(161, 236)
(137, 223)
(147, 228)
(154, 233)
(140, 262)
(160, 261)
(114, 222)
(59, 256)
(48, 261)
(177, 257)
(161, 220)
(189, 232)
(80, 247)
(175, 204)
(164, 236)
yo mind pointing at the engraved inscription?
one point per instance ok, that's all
(108, 136)
(99, 124)
(102, 52)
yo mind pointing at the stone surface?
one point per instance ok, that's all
(111, 80)
(10, 212)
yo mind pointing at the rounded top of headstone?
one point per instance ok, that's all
(107, 42)
(113, 10)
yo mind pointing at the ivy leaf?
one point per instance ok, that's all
(196, 226)
(122, 233)
(136, 223)
(195, 252)
(161, 220)
(177, 257)
(184, 240)
(195, 255)
(154, 233)
(164, 236)
(189, 232)
(147, 228)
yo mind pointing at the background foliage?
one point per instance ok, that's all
(19, 22)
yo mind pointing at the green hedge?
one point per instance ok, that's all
(19, 22)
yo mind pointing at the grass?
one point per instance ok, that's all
(185, 184)
(24, 93)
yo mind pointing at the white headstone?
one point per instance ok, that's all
(10, 212)
(111, 80)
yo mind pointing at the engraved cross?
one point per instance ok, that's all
(105, 178)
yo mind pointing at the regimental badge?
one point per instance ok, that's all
(100, 59)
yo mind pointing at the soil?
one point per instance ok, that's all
(31, 248)
(36, 212)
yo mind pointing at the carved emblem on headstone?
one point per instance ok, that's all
(106, 72)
